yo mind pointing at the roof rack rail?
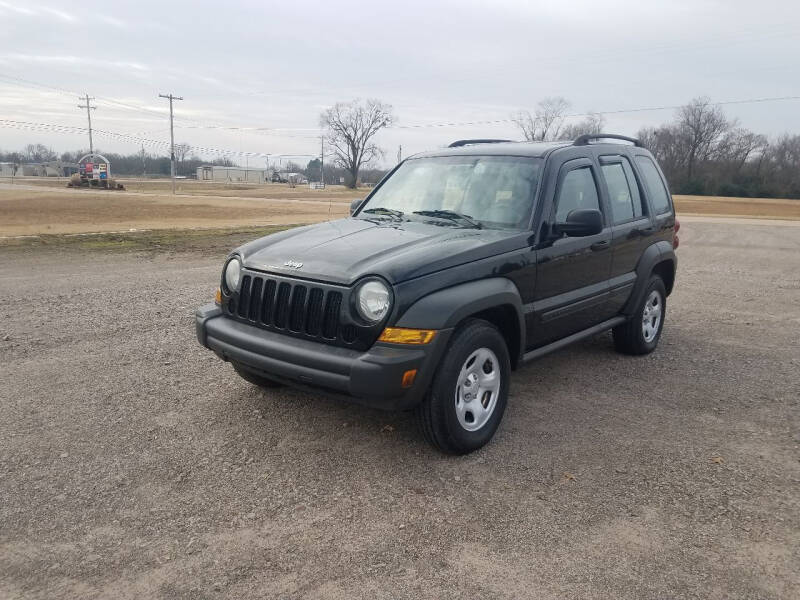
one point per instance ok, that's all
(583, 140)
(459, 143)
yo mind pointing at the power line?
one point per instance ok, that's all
(112, 102)
(586, 114)
(125, 137)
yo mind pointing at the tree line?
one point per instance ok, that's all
(701, 150)
(141, 164)
(138, 163)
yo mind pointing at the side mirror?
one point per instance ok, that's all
(355, 204)
(581, 222)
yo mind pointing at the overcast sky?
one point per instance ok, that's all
(278, 65)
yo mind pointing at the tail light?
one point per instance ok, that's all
(675, 241)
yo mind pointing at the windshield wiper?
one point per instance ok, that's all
(380, 210)
(451, 215)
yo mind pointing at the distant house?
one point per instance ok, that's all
(6, 169)
(231, 174)
(31, 170)
(296, 178)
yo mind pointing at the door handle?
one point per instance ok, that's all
(646, 230)
(601, 245)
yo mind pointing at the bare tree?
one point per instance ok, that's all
(740, 145)
(181, 150)
(782, 167)
(669, 144)
(704, 124)
(546, 122)
(350, 127)
(594, 123)
(38, 153)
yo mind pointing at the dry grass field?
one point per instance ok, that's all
(42, 208)
(36, 206)
(753, 208)
(192, 187)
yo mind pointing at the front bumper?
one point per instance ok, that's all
(372, 378)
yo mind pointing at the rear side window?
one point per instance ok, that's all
(577, 190)
(658, 193)
(623, 192)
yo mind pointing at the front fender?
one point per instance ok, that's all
(448, 307)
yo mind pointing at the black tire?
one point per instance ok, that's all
(629, 338)
(251, 377)
(436, 414)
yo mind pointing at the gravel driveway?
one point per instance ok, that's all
(134, 464)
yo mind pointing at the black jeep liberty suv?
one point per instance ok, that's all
(460, 266)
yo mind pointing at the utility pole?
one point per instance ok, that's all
(89, 108)
(322, 162)
(400, 153)
(171, 138)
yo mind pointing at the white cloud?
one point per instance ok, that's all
(82, 61)
(20, 10)
(59, 14)
(109, 20)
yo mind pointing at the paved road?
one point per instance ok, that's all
(133, 464)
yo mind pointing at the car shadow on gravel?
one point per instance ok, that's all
(549, 397)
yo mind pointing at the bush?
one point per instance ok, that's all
(695, 187)
(736, 190)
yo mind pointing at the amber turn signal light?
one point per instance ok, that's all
(408, 378)
(218, 297)
(402, 335)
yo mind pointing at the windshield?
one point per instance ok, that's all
(487, 191)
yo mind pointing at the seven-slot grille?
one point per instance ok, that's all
(295, 307)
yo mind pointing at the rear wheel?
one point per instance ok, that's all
(640, 334)
(251, 377)
(468, 395)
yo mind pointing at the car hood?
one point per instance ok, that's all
(345, 250)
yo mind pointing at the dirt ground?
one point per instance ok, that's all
(134, 464)
(28, 209)
(34, 206)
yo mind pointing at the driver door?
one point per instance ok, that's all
(572, 272)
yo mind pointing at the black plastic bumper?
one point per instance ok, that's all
(372, 378)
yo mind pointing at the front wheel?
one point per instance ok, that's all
(467, 398)
(640, 334)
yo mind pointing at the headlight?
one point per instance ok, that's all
(373, 300)
(233, 272)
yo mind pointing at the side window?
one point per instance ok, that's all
(577, 190)
(658, 193)
(639, 209)
(623, 192)
(619, 192)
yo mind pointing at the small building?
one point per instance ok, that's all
(54, 168)
(231, 174)
(7, 169)
(31, 170)
(59, 169)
